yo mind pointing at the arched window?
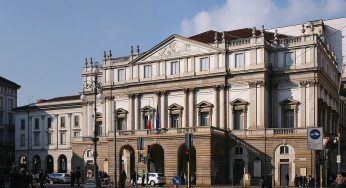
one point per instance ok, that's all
(284, 150)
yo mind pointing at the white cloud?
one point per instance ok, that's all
(236, 14)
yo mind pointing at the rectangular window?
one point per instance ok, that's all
(1, 137)
(62, 122)
(174, 67)
(49, 123)
(121, 124)
(76, 134)
(37, 124)
(10, 104)
(238, 120)
(22, 124)
(147, 71)
(10, 118)
(289, 59)
(37, 139)
(175, 120)
(239, 151)
(204, 63)
(204, 119)
(76, 121)
(121, 75)
(1, 103)
(22, 139)
(49, 138)
(289, 119)
(62, 138)
(239, 60)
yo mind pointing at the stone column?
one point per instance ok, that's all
(185, 112)
(303, 107)
(192, 108)
(222, 106)
(130, 124)
(137, 103)
(262, 107)
(253, 104)
(163, 110)
(215, 120)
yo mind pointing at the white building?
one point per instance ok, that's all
(44, 131)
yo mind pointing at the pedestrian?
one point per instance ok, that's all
(143, 177)
(287, 180)
(41, 178)
(134, 178)
(339, 181)
(123, 178)
(20, 180)
(182, 178)
(72, 178)
(78, 174)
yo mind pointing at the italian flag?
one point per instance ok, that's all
(149, 120)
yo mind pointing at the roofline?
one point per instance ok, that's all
(6, 81)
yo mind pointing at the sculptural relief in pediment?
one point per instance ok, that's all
(176, 48)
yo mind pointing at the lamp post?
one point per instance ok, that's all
(338, 157)
(96, 86)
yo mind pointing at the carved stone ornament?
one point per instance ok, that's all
(176, 49)
(303, 83)
(252, 84)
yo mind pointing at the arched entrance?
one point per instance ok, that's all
(238, 164)
(182, 162)
(36, 164)
(50, 164)
(62, 164)
(23, 161)
(156, 162)
(284, 163)
(127, 160)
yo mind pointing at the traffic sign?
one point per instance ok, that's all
(338, 159)
(315, 138)
(176, 180)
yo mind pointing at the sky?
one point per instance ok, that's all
(43, 43)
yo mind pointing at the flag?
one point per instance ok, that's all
(149, 127)
(157, 116)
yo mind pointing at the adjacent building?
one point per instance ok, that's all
(8, 101)
(44, 131)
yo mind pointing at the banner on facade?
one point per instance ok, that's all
(315, 138)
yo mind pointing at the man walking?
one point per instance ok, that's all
(78, 174)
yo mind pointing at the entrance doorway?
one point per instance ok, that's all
(50, 164)
(283, 173)
(156, 163)
(238, 171)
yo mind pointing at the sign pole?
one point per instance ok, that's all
(188, 174)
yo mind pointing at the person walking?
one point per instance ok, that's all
(339, 181)
(41, 178)
(123, 178)
(78, 174)
(134, 177)
(72, 178)
(143, 177)
(287, 180)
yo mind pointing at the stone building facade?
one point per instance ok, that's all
(247, 96)
(44, 131)
(8, 101)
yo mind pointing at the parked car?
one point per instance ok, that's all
(60, 177)
(153, 179)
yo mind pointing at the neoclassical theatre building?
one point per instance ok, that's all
(247, 96)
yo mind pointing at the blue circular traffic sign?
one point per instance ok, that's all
(315, 134)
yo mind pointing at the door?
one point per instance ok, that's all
(238, 171)
(283, 174)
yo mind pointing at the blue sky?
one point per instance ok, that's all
(43, 43)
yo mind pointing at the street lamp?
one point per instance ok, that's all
(96, 86)
(338, 157)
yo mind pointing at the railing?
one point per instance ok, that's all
(269, 132)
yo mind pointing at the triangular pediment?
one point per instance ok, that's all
(289, 101)
(175, 47)
(239, 101)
